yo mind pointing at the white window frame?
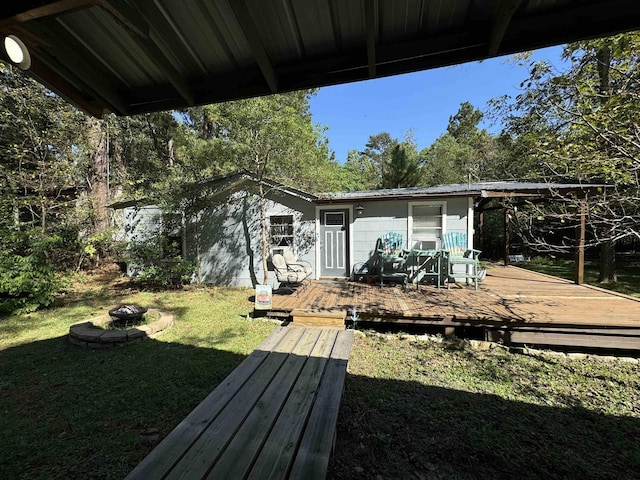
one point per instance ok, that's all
(432, 203)
(273, 249)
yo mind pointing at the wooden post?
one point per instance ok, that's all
(578, 275)
(506, 237)
(481, 230)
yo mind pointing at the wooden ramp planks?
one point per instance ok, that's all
(319, 318)
(252, 424)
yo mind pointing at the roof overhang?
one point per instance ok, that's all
(486, 190)
(221, 187)
(131, 57)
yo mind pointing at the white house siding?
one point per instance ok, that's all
(225, 239)
(457, 212)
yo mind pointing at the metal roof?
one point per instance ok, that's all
(222, 185)
(134, 56)
(482, 189)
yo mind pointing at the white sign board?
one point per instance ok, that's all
(263, 297)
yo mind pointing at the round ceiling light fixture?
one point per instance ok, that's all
(17, 52)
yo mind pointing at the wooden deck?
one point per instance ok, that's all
(513, 305)
(273, 417)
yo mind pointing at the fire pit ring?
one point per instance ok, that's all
(94, 332)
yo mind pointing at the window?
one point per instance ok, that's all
(334, 219)
(171, 236)
(426, 225)
(281, 230)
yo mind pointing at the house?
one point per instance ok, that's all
(220, 231)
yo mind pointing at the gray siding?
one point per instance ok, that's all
(141, 223)
(457, 212)
(392, 216)
(378, 218)
(225, 239)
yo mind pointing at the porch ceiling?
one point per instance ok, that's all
(130, 57)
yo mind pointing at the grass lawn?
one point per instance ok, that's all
(410, 410)
(425, 410)
(74, 413)
(628, 274)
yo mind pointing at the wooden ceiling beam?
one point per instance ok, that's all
(503, 10)
(148, 40)
(97, 89)
(47, 10)
(82, 64)
(63, 88)
(243, 17)
(370, 19)
(165, 26)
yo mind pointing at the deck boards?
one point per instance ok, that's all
(251, 425)
(509, 297)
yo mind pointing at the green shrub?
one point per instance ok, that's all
(28, 279)
(156, 263)
(542, 261)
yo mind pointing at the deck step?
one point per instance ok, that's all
(334, 319)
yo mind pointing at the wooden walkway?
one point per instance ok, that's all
(273, 417)
(513, 305)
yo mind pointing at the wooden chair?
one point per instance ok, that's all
(390, 259)
(456, 252)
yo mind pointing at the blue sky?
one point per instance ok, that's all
(422, 101)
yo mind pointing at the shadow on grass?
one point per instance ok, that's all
(69, 412)
(404, 429)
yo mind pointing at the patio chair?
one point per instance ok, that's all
(389, 261)
(294, 264)
(455, 252)
(289, 279)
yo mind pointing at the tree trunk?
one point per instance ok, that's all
(607, 272)
(608, 263)
(98, 175)
(264, 235)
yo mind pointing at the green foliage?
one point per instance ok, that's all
(38, 158)
(28, 280)
(358, 173)
(402, 169)
(580, 125)
(467, 153)
(157, 264)
(464, 124)
(271, 136)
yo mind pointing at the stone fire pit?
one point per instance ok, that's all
(95, 333)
